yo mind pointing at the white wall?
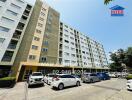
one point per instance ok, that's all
(11, 25)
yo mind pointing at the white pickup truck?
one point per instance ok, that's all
(36, 78)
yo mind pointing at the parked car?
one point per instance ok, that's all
(64, 80)
(112, 75)
(90, 77)
(36, 78)
(48, 78)
(103, 76)
(129, 84)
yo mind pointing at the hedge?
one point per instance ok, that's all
(129, 77)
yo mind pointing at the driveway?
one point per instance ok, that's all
(114, 89)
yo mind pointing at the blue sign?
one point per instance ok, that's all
(117, 11)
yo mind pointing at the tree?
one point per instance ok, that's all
(117, 59)
(128, 57)
(107, 1)
(121, 59)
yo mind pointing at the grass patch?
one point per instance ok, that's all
(7, 78)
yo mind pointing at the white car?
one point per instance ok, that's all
(112, 75)
(48, 78)
(35, 78)
(64, 80)
(129, 84)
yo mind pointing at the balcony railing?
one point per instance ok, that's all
(25, 13)
(16, 36)
(23, 20)
(7, 58)
(12, 46)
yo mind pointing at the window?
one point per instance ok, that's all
(71, 38)
(45, 49)
(43, 59)
(73, 55)
(34, 47)
(66, 26)
(2, 40)
(45, 42)
(73, 49)
(32, 57)
(71, 33)
(4, 29)
(15, 6)
(66, 36)
(84, 57)
(4, 19)
(0, 8)
(67, 54)
(36, 38)
(72, 43)
(83, 52)
(67, 61)
(3, 0)
(43, 14)
(43, 9)
(11, 12)
(38, 31)
(66, 47)
(66, 30)
(73, 62)
(41, 19)
(71, 29)
(66, 41)
(20, 1)
(40, 25)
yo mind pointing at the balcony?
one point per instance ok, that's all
(12, 46)
(7, 56)
(26, 12)
(20, 26)
(15, 36)
(23, 19)
(29, 7)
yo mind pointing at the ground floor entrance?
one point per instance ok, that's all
(27, 70)
(5, 71)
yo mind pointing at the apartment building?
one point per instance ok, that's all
(38, 41)
(14, 18)
(77, 49)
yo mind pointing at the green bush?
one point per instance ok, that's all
(8, 78)
(129, 77)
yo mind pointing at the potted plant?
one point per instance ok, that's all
(7, 82)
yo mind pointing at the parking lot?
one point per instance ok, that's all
(114, 89)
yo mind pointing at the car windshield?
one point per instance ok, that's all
(36, 74)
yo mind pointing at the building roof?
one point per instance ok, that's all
(117, 7)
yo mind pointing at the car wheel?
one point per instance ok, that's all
(78, 83)
(42, 84)
(83, 81)
(61, 86)
(29, 86)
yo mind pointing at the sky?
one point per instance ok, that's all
(93, 18)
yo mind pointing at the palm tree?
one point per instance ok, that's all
(107, 1)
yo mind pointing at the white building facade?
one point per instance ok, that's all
(77, 49)
(14, 18)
